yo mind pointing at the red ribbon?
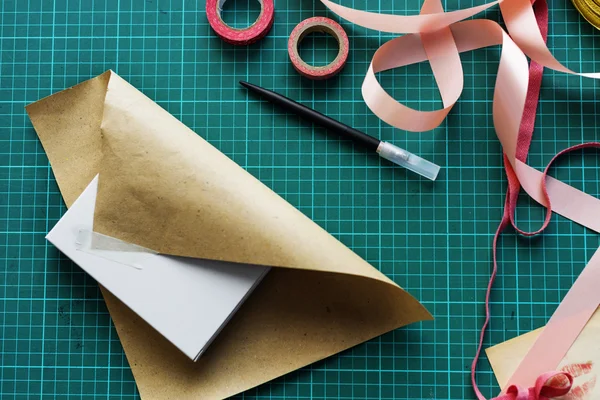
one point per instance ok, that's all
(541, 390)
(548, 386)
(438, 37)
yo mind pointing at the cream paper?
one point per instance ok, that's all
(582, 359)
(163, 187)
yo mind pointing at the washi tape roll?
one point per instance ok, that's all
(318, 24)
(240, 37)
(590, 10)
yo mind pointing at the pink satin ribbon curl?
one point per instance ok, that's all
(439, 37)
(549, 385)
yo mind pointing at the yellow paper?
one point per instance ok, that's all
(581, 359)
(163, 187)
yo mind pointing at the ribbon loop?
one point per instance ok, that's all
(550, 385)
(553, 384)
(439, 37)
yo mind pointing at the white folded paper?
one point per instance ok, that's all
(187, 300)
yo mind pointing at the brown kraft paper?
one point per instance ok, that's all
(163, 187)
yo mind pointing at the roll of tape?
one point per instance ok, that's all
(240, 37)
(318, 24)
(590, 10)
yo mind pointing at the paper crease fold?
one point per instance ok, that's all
(163, 187)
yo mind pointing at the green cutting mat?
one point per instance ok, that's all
(434, 239)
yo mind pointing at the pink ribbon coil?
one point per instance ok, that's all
(548, 386)
(439, 37)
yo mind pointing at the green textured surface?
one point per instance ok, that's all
(434, 239)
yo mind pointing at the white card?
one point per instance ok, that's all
(187, 300)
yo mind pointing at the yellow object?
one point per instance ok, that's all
(590, 10)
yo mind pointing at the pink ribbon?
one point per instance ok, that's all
(547, 386)
(439, 37)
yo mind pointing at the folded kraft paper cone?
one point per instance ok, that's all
(163, 187)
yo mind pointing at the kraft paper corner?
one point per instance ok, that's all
(505, 357)
(163, 187)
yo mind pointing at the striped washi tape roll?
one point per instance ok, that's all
(240, 37)
(318, 24)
